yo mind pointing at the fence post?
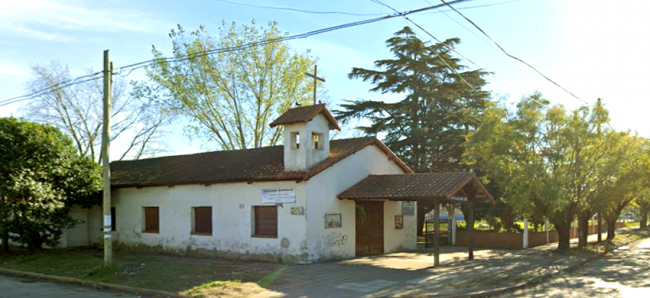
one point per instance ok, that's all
(548, 238)
(453, 231)
(525, 233)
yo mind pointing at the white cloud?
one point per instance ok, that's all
(47, 20)
(8, 69)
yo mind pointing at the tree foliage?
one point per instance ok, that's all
(427, 128)
(230, 97)
(556, 164)
(77, 111)
(41, 177)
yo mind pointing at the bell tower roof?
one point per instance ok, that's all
(304, 115)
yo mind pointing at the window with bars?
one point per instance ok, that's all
(265, 221)
(202, 221)
(151, 220)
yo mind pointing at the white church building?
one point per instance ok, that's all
(308, 200)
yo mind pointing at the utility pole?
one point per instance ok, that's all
(106, 202)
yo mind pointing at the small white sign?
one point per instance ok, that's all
(458, 198)
(107, 220)
(108, 236)
(278, 195)
(107, 229)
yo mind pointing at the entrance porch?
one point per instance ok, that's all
(430, 189)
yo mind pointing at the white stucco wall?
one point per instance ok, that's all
(304, 157)
(322, 189)
(232, 220)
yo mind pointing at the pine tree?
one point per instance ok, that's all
(443, 101)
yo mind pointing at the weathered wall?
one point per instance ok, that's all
(322, 189)
(232, 220)
(304, 157)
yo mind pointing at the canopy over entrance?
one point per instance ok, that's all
(425, 188)
(445, 187)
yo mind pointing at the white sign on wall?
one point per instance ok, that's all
(459, 198)
(278, 195)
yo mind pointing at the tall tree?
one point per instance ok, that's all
(77, 111)
(230, 96)
(442, 102)
(628, 179)
(548, 160)
(41, 177)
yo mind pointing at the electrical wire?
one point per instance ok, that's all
(142, 64)
(437, 55)
(282, 39)
(299, 10)
(55, 87)
(511, 56)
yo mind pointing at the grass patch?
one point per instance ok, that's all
(621, 238)
(165, 273)
(270, 278)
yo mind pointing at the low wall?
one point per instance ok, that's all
(515, 240)
(490, 239)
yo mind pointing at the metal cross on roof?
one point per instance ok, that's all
(316, 79)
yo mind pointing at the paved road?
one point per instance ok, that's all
(11, 287)
(626, 273)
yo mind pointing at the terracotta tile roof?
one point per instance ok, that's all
(304, 115)
(252, 165)
(412, 187)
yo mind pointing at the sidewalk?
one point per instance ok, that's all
(410, 274)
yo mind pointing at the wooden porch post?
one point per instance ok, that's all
(470, 229)
(436, 231)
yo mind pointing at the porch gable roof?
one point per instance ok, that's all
(419, 187)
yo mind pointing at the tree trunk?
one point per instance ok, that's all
(600, 228)
(564, 237)
(5, 242)
(611, 228)
(643, 210)
(422, 211)
(583, 229)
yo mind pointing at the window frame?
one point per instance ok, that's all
(145, 226)
(194, 221)
(317, 141)
(256, 222)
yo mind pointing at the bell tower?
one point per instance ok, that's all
(306, 136)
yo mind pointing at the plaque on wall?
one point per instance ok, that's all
(408, 208)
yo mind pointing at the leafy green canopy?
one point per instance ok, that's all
(557, 164)
(231, 97)
(427, 128)
(41, 177)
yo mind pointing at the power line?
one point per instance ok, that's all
(511, 56)
(470, 60)
(282, 39)
(142, 64)
(53, 88)
(437, 55)
(477, 6)
(299, 10)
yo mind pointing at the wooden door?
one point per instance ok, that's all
(369, 228)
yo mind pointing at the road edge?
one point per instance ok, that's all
(91, 284)
(534, 281)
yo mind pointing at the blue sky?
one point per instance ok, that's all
(592, 48)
